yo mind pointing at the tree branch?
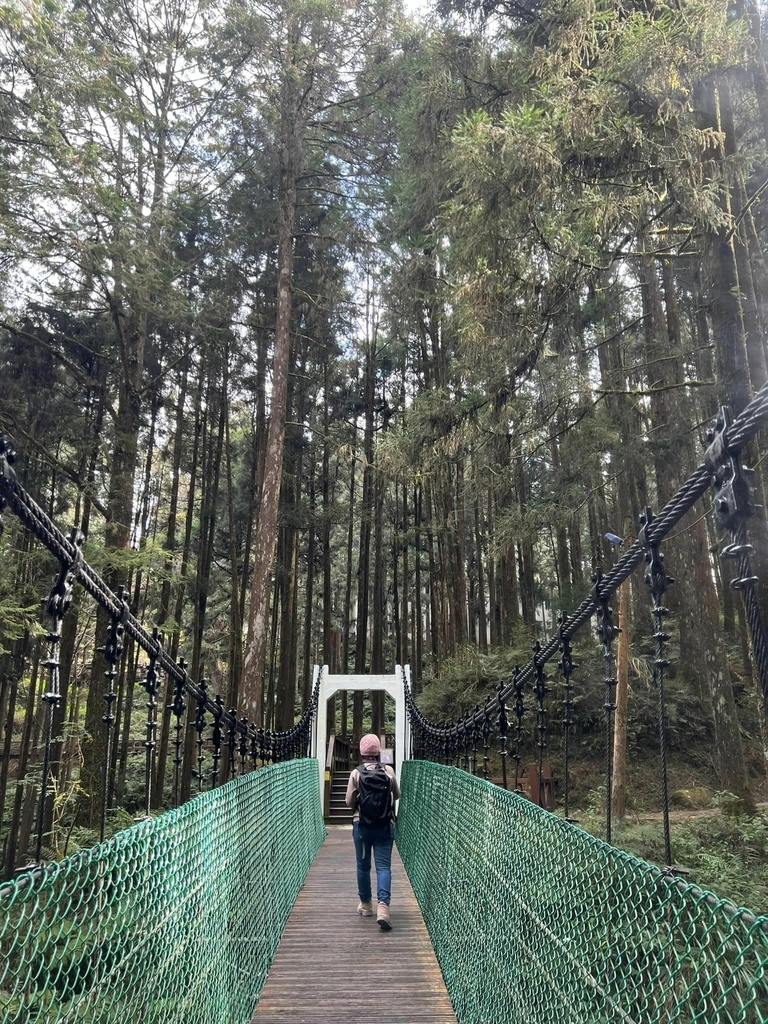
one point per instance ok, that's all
(52, 461)
(641, 392)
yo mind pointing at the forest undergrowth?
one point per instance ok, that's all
(718, 846)
(716, 843)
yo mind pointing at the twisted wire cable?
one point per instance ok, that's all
(738, 434)
(26, 509)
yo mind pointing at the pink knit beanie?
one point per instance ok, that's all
(370, 746)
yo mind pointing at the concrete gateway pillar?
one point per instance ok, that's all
(330, 684)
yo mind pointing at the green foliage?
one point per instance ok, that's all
(723, 853)
(468, 678)
(16, 619)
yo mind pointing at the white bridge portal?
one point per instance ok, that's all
(391, 684)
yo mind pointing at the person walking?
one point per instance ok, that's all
(371, 793)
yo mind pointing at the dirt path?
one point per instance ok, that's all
(685, 814)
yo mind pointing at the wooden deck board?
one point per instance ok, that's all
(334, 967)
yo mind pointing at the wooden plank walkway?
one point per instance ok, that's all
(334, 967)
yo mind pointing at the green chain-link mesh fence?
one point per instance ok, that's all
(175, 920)
(534, 921)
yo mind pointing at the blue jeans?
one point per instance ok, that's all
(380, 841)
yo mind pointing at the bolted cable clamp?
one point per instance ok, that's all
(606, 628)
(656, 578)
(732, 502)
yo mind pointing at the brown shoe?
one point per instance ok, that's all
(382, 917)
(365, 909)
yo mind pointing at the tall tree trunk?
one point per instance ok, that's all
(277, 597)
(13, 668)
(210, 496)
(308, 606)
(328, 657)
(129, 686)
(70, 625)
(173, 647)
(460, 553)
(493, 598)
(258, 455)
(434, 611)
(525, 549)
(366, 515)
(418, 631)
(18, 838)
(348, 594)
(265, 530)
(377, 633)
(700, 631)
(235, 643)
(286, 679)
(725, 308)
(141, 524)
(577, 567)
(406, 583)
(481, 598)
(396, 608)
(561, 532)
(447, 574)
(116, 537)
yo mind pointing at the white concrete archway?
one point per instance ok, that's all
(331, 684)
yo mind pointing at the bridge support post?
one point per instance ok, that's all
(330, 684)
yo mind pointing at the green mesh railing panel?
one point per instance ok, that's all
(534, 921)
(174, 920)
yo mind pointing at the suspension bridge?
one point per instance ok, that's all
(239, 905)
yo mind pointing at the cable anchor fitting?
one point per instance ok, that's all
(732, 502)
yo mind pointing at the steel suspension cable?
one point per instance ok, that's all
(67, 552)
(730, 440)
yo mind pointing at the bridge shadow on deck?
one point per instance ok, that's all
(334, 966)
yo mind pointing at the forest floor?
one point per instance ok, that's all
(725, 854)
(719, 846)
(689, 814)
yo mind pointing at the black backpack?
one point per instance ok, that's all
(374, 787)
